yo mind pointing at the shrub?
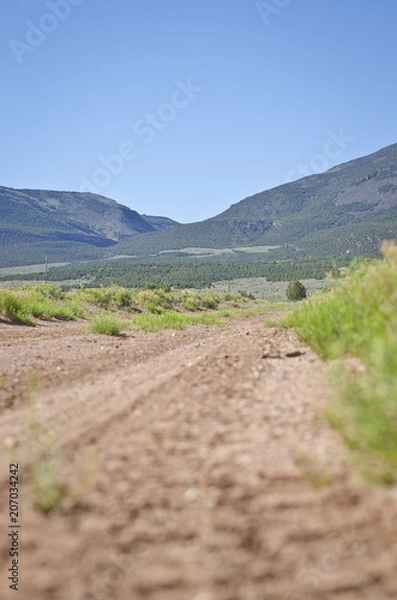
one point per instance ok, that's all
(106, 324)
(210, 300)
(190, 304)
(155, 300)
(15, 308)
(112, 296)
(296, 290)
(358, 317)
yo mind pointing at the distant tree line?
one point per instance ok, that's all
(188, 274)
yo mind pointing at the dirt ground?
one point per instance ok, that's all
(216, 476)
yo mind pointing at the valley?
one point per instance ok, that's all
(344, 212)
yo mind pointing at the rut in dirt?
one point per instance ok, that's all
(216, 479)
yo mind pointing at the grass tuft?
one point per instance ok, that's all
(356, 324)
(107, 324)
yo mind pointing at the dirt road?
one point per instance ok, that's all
(216, 478)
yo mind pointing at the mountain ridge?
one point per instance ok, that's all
(351, 195)
(66, 225)
(348, 209)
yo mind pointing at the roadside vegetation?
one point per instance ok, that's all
(114, 309)
(44, 301)
(354, 325)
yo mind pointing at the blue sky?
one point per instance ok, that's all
(182, 108)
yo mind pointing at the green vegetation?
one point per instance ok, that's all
(349, 208)
(356, 323)
(111, 310)
(296, 291)
(62, 225)
(44, 301)
(107, 324)
(186, 273)
(14, 308)
(175, 320)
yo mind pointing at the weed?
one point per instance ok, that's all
(45, 490)
(190, 305)
(174, 320)
(16, 309)
(358, 318)
(210, 300)
(107, 324)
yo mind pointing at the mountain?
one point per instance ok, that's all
(349, 208)
(64, 225)
(159, 223)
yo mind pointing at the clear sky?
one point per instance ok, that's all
(181, 108)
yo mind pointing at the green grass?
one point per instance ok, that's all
(15, 309)
(110, 310)
(107, 324)
(355, 325)
(41, 301)
(113, 296)
(175, 320)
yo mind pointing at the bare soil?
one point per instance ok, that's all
(217, 477)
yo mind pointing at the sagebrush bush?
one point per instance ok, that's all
(107, 324)
(210, 300)
(113, 296)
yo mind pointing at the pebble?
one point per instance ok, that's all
(191, 495)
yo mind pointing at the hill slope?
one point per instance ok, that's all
(349, 208)
(64, 225)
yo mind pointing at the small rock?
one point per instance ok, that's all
(191, 495)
